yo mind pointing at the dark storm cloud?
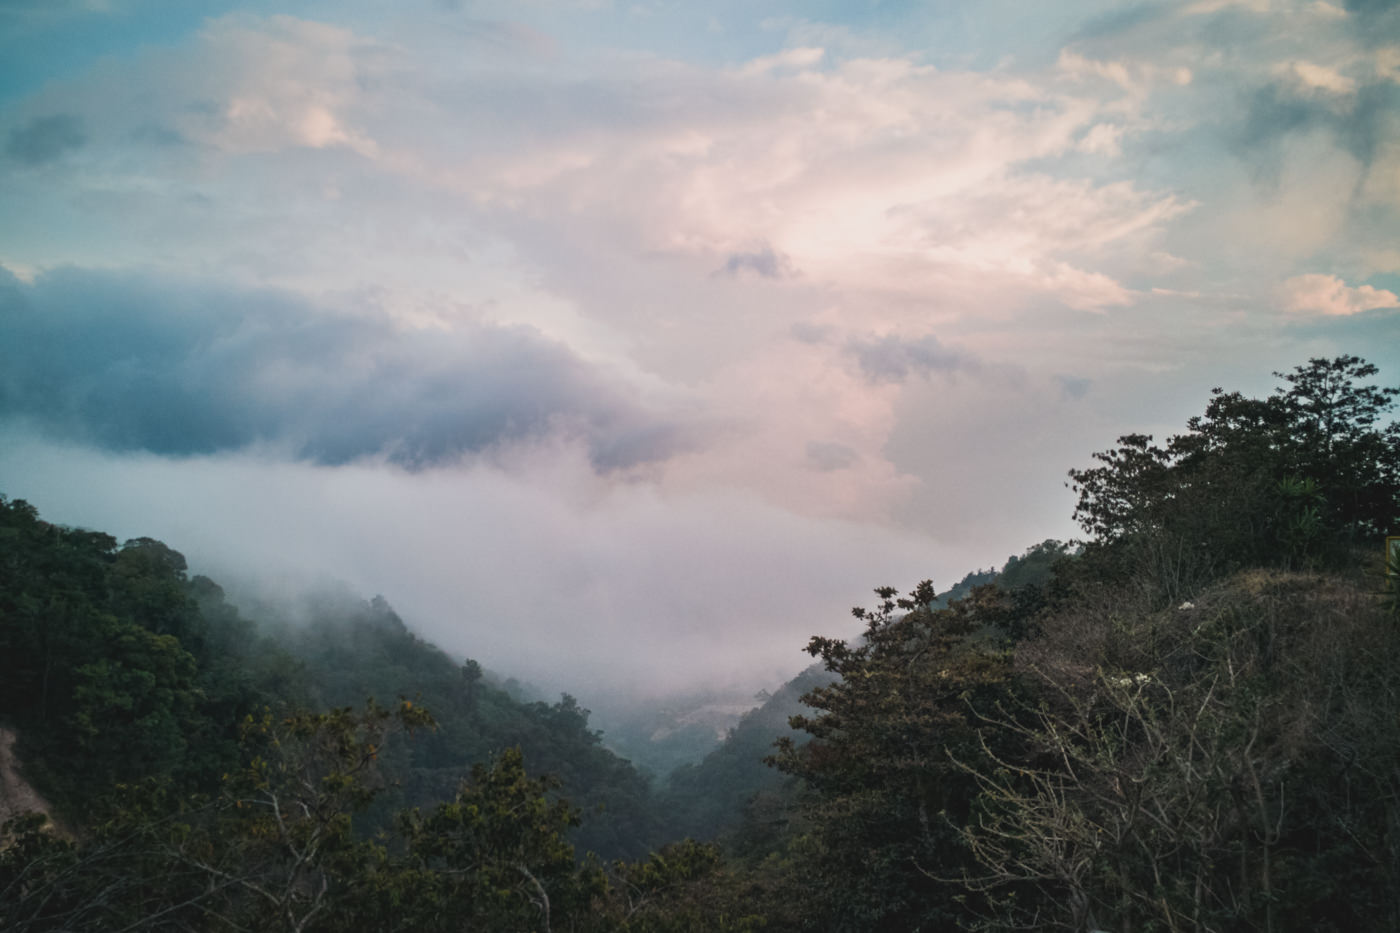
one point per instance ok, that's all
(45, 139)
(129, 364)
(893, 359)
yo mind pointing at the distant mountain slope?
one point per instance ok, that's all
(703, 800)
(677, 731)
(118, 666)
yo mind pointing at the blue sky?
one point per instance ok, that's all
(661, 331)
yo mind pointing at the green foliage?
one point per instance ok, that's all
(276, 850)
(271, 851)
(494, 857)
(1034, 568)
(885, 798)
(116, 666)
(133, 705)
(685, 888)
(350, 650)
(1293, 480)
(108, 664)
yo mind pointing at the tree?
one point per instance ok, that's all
(884, 798)
(1240, 774)
(273, 850)
(1339, 441)
(495, 857)
(684, 888)
(133, 706)
(1291, 480)
(471, 680)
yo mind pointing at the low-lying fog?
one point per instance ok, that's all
(537, 569)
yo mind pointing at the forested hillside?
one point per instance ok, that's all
(1188, 722)
(735, 792)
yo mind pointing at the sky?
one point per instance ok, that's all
(624, 346)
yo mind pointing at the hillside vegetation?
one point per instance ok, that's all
(1188, 722)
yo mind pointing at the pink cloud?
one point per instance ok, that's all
(1317, 293)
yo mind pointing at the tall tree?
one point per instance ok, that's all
(885, 799)
(1293, 479)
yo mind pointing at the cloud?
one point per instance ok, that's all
(1360, 117)
(799, 58)
(893, 359)
(764, 262)
(1134, 77)
(540, 569)
(279, 83)
(128, 363)
(826, 456)
(1318, 293)
(1310, 78)
(45, 139)
(647, 197)
(809, 333)
(1074, 387)
(874, 176)
(1103, 139)
(1115, 23)
(1082, 290)
(880, 177)
(1381, 18)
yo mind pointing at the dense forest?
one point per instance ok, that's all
(1188, 721)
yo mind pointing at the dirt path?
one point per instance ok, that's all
(16, 795)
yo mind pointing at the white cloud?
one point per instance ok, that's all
(1319, 293)
(1310, 77)
(1086, 291)
(1206, 7)
(1387, 62)
(871, 166)
(1328, 10)
(798, 58)
(535, 568)
(1134, 76)
(1103, 139)
(873, 176)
